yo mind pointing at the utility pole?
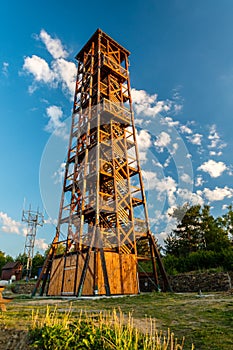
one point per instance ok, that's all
(33, 219)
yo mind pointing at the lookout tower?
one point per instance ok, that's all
(103, 216)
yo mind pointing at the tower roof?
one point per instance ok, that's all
(94, 37)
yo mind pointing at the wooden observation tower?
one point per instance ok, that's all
(103, 215)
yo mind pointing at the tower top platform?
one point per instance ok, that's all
(94, 37)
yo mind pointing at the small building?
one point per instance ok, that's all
(12, 269)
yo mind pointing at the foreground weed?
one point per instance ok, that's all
(105, 330)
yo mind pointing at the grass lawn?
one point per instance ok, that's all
(206, 320)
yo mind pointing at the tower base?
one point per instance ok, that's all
(66, 274)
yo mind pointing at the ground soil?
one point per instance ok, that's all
(12, 339)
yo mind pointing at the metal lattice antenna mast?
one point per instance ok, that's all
(33, 219)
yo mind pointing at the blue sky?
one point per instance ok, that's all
(181, 68)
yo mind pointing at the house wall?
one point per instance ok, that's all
(7, 273)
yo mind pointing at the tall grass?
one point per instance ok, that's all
(106, 330)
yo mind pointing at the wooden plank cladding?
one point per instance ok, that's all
(121, 269)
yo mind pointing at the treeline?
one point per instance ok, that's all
(199, 241)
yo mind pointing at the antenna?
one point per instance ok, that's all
(33, 219)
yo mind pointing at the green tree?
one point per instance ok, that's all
(227, 222)
(22, 258)
(199, 241)
(187, 236)
(37, 262)
(215, 235)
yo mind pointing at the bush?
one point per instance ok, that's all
(200, 260)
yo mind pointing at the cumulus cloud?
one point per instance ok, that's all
(190, 197)
(170, 122)
(9, 225)
(218, 194)
(213, 168)
(214, 153)
(147, 104)
(144, 142)
(195, 139)
(59, 71)
(175, 147)
(215, 141)
(55, 124)
(39, 68)
(66, 74)
(41, 244)
(199, 181)
(165, 187)
(143, 139)
(186, 178)
(185, 129)
(163, 140)
(54, 46)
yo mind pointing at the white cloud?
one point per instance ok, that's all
(199, 181)
(54, 46)
(169, 121)
(218, 194)
(148, 104)
(41, 244)
(9, 225)
(138, 121)
(55, 125)
(60, 71)
(195, 139)
(177, 107)
(39, 68)
(157, 163)
(141, 97)
(167, 161)
(179, 101)
(143, 140)
(58, 176)
(213, 168)
(186, 178)
(5, 66)
(190, 197)
(215, 141)
(165, 186)
(213, 136)
(213, 153)
(163, 140)
(66, 74)
(175, 148)
(185, 129)
(142, 157)
(51, 221)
